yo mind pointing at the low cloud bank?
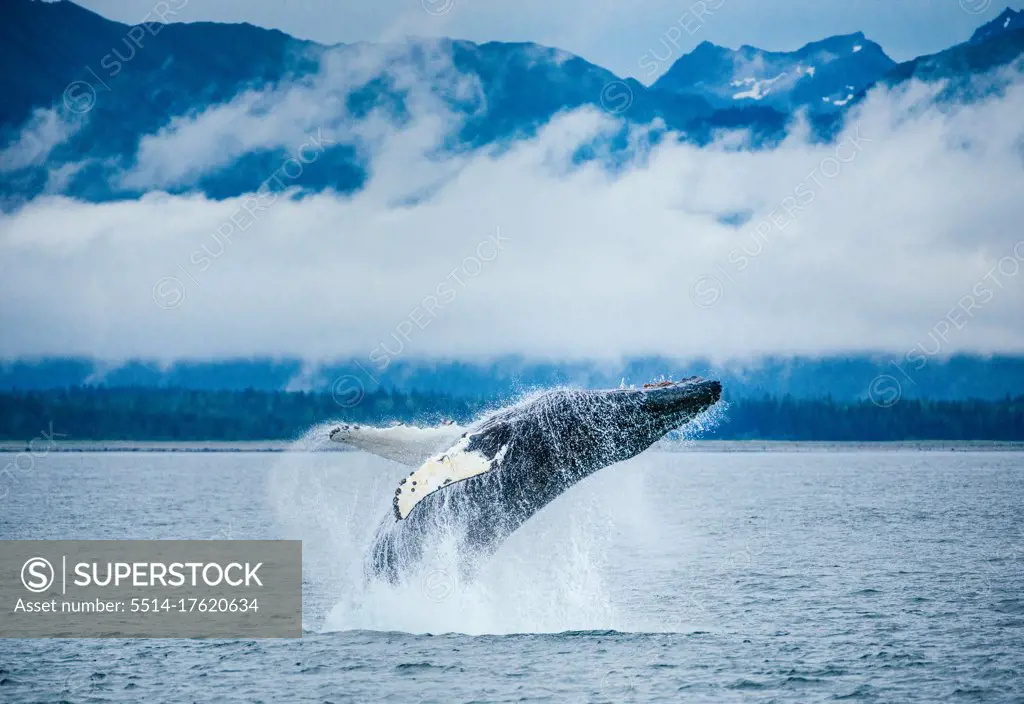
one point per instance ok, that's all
(905, 230)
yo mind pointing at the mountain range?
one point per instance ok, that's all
(81, 94)
(843, 377)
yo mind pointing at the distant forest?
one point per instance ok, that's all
(844, 378)
(101, 413)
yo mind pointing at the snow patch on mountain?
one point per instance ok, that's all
(758, 89)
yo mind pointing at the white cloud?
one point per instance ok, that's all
(44, 130)
(281, 116)
(927, 203)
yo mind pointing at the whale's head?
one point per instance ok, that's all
(580, 431)
(637, 418)
(675, 403)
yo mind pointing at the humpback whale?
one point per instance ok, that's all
(497, 473)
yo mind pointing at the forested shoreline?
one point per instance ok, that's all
(101, 413)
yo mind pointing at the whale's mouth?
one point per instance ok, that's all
(688, 397)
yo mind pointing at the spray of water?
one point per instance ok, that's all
(702, 424)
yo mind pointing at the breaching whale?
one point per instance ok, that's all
(500, 471)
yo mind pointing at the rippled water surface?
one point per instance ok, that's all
(678, 576)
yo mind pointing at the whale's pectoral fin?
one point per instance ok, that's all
(450, 467)
(406, 444)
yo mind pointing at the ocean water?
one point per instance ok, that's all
(809, 575)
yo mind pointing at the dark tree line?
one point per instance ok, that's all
(101, 413)
(772, 418)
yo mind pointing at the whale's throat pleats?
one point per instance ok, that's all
(439, 471)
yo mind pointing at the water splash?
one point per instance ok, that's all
(705, 422)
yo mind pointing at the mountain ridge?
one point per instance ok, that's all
(110, 86)
(1008, 20)
(821, 76)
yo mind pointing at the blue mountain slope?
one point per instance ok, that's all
(822, 76)
(118, 83)
(970, 70)
(160, 70)
(963, 61)
(109, 85)
(1008, 21)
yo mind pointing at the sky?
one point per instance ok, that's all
(610, 33)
